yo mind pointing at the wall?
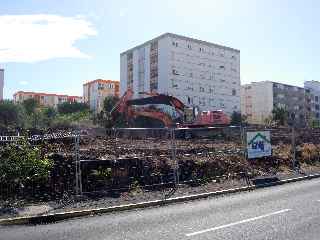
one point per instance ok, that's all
(257, 101)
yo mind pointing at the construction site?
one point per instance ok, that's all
(130, 165)
(183, 151)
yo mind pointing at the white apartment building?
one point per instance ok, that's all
(199, 73)
(258, 99)
(94, 92)
(1, 83)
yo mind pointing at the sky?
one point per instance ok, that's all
(55, 46)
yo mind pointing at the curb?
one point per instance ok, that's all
(49, 218)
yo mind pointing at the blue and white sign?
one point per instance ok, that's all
(258, 144)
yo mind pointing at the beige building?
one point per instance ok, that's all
(258, 99)
(94, 92)
(45, 99)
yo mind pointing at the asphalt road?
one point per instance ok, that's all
(290, 211)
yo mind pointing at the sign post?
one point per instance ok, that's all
(258, 144)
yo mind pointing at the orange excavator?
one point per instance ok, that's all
(145, 107)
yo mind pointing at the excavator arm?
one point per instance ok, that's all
(126, 103)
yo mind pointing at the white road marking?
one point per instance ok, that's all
(237, 223)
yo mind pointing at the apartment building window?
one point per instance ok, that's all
(234, 92)
(189, 88)
(189, 46)
(175, 44)
(130, 70)
(222, 67)
(175, 72)
(191, 75)
(174, 84)
(317, 115)
(202, 101)
(316, 98)
(317, 107)
(211, 102)
(280, 96)
(154, 66)
(201, 89)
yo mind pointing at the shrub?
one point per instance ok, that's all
(309, 152)
(22, 163)
(73, 107)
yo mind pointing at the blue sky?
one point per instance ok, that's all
(56, 46)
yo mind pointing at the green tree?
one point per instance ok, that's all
(72, 107)
(237, 118)
(11, 115)
(30, 105)
(280, 115)
(45, 117)
(107, 119)
(22, 163)
(109, 103)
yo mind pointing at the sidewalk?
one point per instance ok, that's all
(104, 200)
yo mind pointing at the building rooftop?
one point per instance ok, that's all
(101, 81)
(181, 37)
(45, 94)
(268, 81)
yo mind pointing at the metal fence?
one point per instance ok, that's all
(125, 160)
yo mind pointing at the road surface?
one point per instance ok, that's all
(290, 211)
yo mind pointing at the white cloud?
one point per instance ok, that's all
(32, 38)
(23, 83)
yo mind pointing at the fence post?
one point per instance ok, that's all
(78, 164)
(174, 159)
(293, 146)
(243, 140)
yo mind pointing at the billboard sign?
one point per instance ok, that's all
(258, 144)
